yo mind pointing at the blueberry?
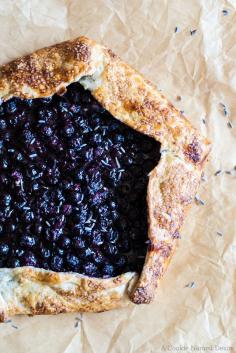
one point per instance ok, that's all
(27, 136)
(11, 227)
(75, 108)
(67, 209)
(98, 152)
(45, 252)
(4, 163)
(6, 200)
(115, 177)
(29, 102)
(76, 196)
(80, 175)
(57, 263)
(19, 252)
(38, 228)
(6, 135)
(4, 249)
(97, 238)
(79, 243)
(28, 217)
(88, 253)
(98, 257)
(112, 236)
(108, 270)
(19, 156)
(7, 212)
(35, 186)
(90, 269)
(28, 259)
(77, 227)
(54, 141)
(3, 124)
(84, 126)
(72, 155)
(1, 110)
(99, 197)
(113, 205)
(63, 106)
(77, 142)
(110, 249)
(115, 215)
(55, 234)
(89, 155)
(47, 130)
(64, 242)
(104, 211)
(69, 130)
(95, 185)
(118, 138)
(44, 115)
(73, 262)
(27, 241)
(59, 251)
(97, 138)
(105, 223)
(84, 215)
(11, 106)
(128, 161)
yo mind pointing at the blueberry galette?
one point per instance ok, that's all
(87, 218)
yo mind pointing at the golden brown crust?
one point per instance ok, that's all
(172, 184)
(28, 290)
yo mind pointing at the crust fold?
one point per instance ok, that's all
(28, 290)
(172, 184)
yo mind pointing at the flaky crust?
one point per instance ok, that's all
(171, 189)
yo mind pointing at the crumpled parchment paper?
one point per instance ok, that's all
(188, 49)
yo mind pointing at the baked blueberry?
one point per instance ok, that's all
(44, 252)
(90, 269)
(97, 238)
(79, 243)
(108, 270)
(3, 124)
(64, 242)
(11, 106)
(4, 249)
(73, 262)
(73, 186)
(27, 241)
(57, 263)
(28, 259)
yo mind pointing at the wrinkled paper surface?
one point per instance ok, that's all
(195, 307)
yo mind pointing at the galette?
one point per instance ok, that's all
(97, 170)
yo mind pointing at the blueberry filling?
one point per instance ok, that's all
(73, 186)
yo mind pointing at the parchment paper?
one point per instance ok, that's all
(195, 307)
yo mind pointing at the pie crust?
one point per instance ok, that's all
(172, 184)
